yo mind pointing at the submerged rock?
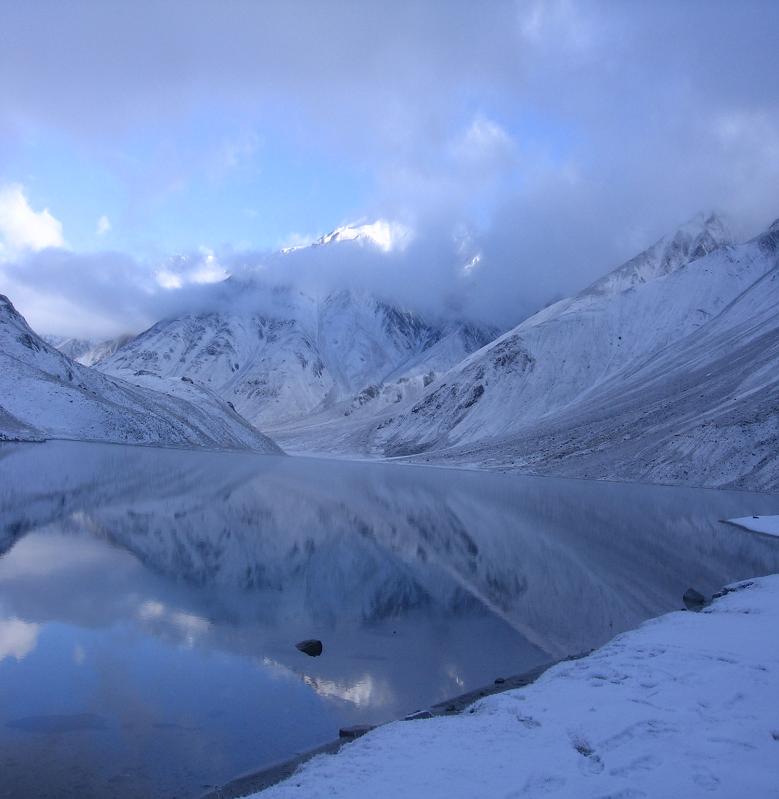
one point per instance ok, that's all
(311, 647)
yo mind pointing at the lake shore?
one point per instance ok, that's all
(683, 705)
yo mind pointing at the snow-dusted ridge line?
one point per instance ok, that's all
(46, 395)
(682, 706)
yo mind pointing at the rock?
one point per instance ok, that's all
(420, 714)
(310, 647)
(500, 680)
(355, 732)
(693, 599)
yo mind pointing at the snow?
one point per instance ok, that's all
(758, 524)
(683, 706)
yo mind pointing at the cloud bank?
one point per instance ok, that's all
(553, 140)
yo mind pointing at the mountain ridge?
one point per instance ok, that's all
(47, 395)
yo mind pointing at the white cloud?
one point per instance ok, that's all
(103, 225)
(22, 228)
(181, 271)
(17, 638)
(484, 140)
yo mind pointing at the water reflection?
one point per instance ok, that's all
(161, 593)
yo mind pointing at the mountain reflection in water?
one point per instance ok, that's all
(150, 599)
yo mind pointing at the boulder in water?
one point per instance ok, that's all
(310, 647)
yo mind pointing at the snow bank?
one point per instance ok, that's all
(685, 706)
(758, 524)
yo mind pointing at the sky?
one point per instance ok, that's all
(150, 147)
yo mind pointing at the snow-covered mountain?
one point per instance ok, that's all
(87, 351)
(44, 394)
(665, 369)
(279, 354)
(384, 234)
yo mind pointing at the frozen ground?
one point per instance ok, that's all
(685, 706)
(759, 524)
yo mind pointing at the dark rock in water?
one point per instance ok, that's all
(420, 714)
(310, 647)
(355, 732)
(693, 599)
(500, 680)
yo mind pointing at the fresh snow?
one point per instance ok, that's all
(684, 706)
(758, 524)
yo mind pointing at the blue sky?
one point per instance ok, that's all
(203, 183)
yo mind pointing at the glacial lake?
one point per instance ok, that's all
(151, 600)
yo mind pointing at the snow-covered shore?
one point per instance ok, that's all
(687, 706)
(768, 525)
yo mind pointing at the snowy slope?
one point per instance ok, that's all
(280, 354)
(664, 369)
(43, 394)
(685, 706)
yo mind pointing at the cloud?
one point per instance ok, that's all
(541, 142)
(22, 228)
(103, 225)
(17, 638)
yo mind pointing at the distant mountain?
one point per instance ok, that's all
(665, 369)
(384, 234)
(87, 352)
(44, 394)
(280, 354)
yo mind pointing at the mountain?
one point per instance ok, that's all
(279, 354)
(384, 234)
(87, 352)
(666, 369)
(44, 394)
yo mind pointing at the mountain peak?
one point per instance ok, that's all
(383, 233)
(697, 237)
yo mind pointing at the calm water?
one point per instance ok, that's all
(150, 600)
